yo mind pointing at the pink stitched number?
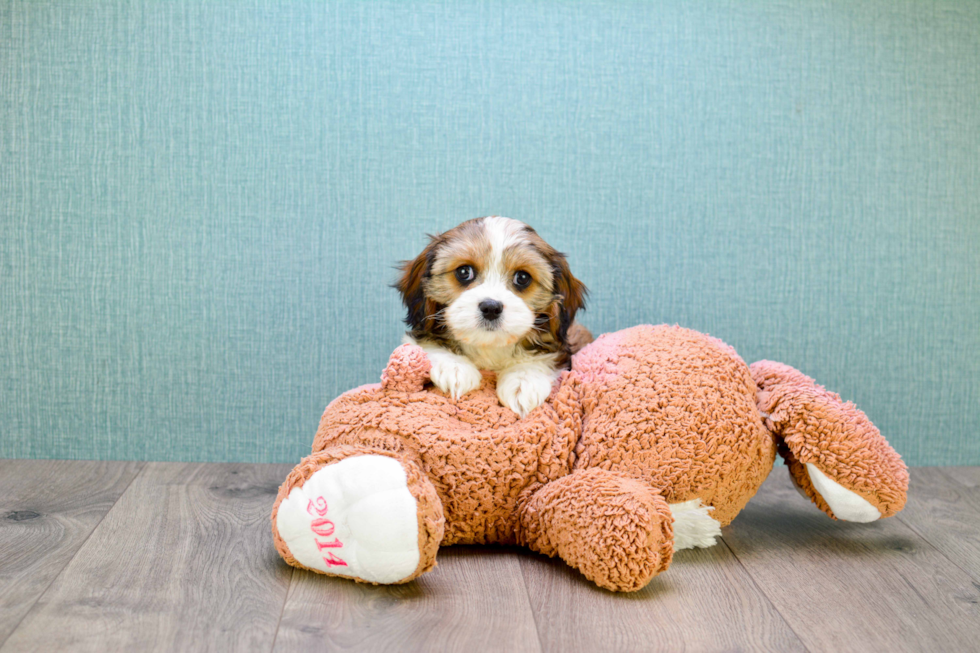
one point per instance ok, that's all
(324, 528)
(320, 507)
(336, 544)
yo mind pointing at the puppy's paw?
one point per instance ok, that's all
(454, 375)
(523, 388)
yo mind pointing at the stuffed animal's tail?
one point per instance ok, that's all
(835, 455)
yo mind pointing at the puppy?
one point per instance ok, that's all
(490, 294)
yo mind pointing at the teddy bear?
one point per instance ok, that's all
(654, 439)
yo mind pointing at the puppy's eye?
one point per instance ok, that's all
(465, 274)
(522, 279)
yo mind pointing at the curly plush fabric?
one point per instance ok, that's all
(817, 427)
(674, 408)
(648, 417)
(614, 529)
(479, 455)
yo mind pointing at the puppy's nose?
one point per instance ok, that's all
(491, 309)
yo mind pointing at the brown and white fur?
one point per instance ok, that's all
(491, 294)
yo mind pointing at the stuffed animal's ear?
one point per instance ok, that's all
(421, 309)
(570, 298)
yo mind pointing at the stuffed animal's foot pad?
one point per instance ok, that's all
(694, 527)
(845, 504)
(354, 518)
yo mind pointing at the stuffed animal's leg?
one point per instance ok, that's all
(614, 529)
(353, 511)
(835, 455)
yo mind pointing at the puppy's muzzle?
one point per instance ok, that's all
(491, 309)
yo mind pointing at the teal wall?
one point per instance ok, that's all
(201, 201)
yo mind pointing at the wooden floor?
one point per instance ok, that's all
(104, 556)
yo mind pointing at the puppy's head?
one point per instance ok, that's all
(491, 282)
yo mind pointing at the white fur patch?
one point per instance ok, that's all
(502, 233)
(464, 317)
(453, 374)
(693, 526)
(465, 320)
(354, 518)
(525, 386)
(843, 503)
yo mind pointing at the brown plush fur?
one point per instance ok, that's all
(676, 409)
(816, 426)
(647, 417)
(614, 529)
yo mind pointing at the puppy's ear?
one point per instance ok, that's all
(570, 294)
(421, 309)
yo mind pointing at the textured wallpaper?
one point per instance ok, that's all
(201, 201)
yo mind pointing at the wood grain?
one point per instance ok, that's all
(966, 476)
(947, 515)
(844, 586)
(47, 510)
(474, 600)
(705, 601)
(182, 562)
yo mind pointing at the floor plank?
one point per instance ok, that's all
(705, 601)
(967, 476)
(47, 510)
(183, 561)
(843, 586)
(474, 600)
(943, 512)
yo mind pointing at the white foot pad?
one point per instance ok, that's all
(843, 503)
(354, 518)
(693, 526)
